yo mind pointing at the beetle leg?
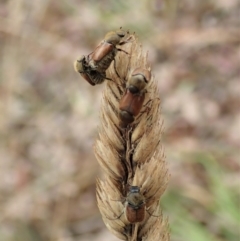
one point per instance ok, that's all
(108, 78)
(122, 50)
(126, 41)
(147, 107)
(156, 216)
(122, 200)
(104, 76)
(89, 54)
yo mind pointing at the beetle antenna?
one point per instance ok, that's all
(122, 49)
(119, 200)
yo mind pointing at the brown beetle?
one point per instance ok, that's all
(135, 205)
(92, 76)
(133, 98)
(101, 58)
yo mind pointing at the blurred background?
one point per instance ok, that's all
(49, 114)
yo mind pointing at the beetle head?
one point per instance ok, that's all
(114, 37)
(79, 64)
(138, 80)
(134, 198)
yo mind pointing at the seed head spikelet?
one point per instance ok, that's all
(131, 155)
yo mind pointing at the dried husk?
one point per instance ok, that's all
(131, 156)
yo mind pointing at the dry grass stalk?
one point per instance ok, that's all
(131, 156)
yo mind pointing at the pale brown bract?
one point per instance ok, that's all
(131, 156)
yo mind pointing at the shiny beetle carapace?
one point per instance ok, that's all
(92, 76)
(130, 106)
(133, 98)
(135, 205)
(106, 51)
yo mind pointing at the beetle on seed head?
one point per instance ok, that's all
(131, 102)
(101, 58)
(135, 205)
(93, 67)
(92, 76)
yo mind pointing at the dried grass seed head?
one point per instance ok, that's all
(134, 149)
